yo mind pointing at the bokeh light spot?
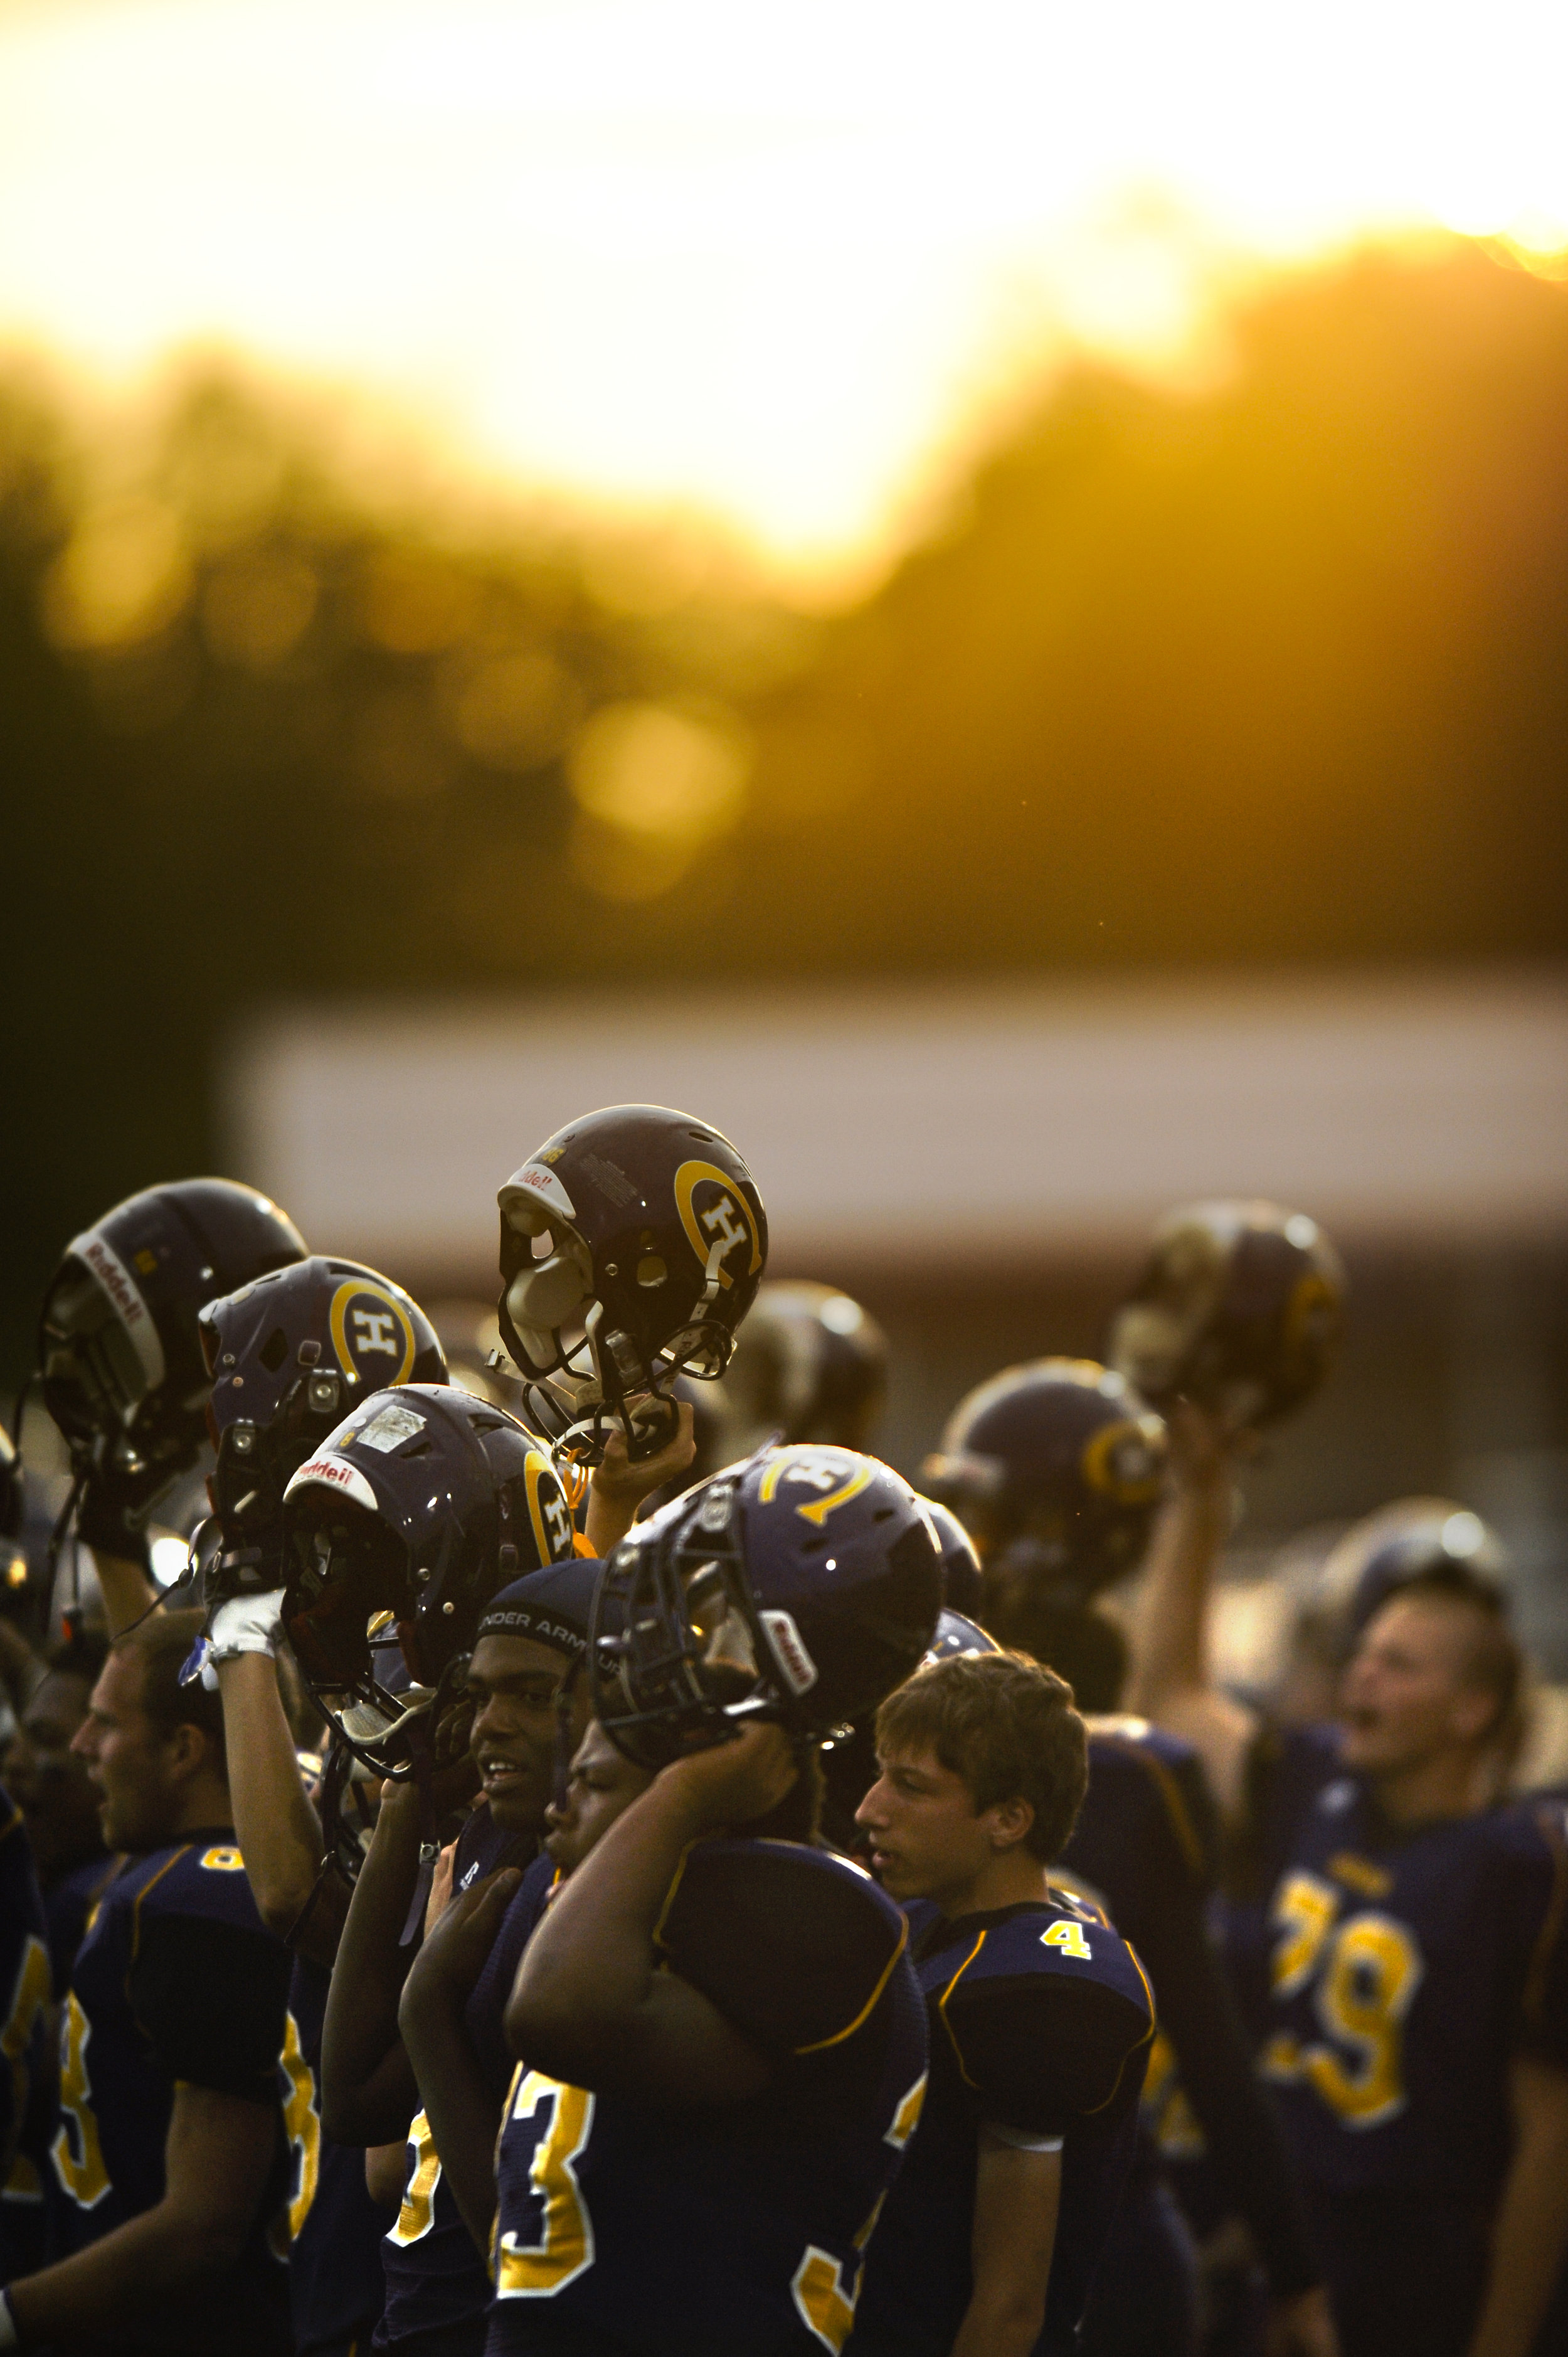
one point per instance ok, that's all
(122, 576)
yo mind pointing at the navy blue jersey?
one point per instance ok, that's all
(335, 2229)
(68, 1907)
(1145, 1846)
(437, 2286)
(1406, 1967)
(176, 1980)
(1040, 2024)
(24, 2076)
(719, 2229)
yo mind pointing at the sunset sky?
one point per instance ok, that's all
(771, 265)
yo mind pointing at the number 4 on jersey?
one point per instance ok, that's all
(1069, 1937)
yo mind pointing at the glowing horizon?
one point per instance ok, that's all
(768, 271)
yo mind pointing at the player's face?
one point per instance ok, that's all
(513, 1683)
(126, 1758)
(58, 1804)
(1407, 1694)
(927, 1839)
(602, 1783)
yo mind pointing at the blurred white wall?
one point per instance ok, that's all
(976, 1122)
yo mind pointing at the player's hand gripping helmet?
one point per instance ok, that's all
(802, 1585)
(808, 1365)
(119, 1349)
(420, 1504)
(1055, 1468)
(642, 1230)
(288, 1357)
(1238, 1308)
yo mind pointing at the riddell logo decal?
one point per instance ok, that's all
(112, 1277)
(333, 1473)
(788, 1646)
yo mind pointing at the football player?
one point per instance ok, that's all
(1404, 1962)
(56, 1797)
(25, 1989)
(455, 1996)
(723, 2045)
(168, 2165)
(1041, 2022)
(1057, 1466)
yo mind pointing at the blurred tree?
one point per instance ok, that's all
(1268, 674)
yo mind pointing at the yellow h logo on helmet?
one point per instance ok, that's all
(719, 1219)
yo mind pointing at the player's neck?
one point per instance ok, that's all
(1444, 1785)
(1012, 1878)
(203, 1805)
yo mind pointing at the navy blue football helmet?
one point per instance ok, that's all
(1415, 1538)
(288, 1356)
(956, 1634)
(1055, 1468)
(809, 1364)
(801, 1585)
(1239, 1307)
(632, 1243)
(961, 1559)
(420, 1504)
(119, 1349)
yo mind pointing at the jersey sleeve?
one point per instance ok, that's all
(1543, 1994)
(1039, 2052)
(211, 1997)
(792, 1945)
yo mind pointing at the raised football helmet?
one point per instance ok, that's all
(809, 1364)
(119, 1349)
(959, 1558)
(801, 1585)
(1415, 1538)
(1238, 1308)
(1055, 1466)
(421, 1504)
(632, 1246)
(289, 1355)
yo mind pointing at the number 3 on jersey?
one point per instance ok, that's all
(564, 2247)
(1366, 1972)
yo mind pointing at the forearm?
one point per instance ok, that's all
(1528, 2243)
(163, 2246)
(126, 1588)
(590, 1964)
(464, 2113)
(996, 2325)
(1170, 1648)
(275, 1824)
(368, 2093)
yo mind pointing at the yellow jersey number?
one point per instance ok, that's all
(417, 2213)
(28, 1999)
(76, 2152)
(302, 2125)
(566, 2245)
(1366, 1970)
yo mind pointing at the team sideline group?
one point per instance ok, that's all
(588, 1862)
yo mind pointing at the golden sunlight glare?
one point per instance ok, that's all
(759, 263)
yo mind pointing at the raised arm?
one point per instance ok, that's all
(275, 1824)
(618, 1486)
(367, 2090)
(1171, 1681)
(591, 2005)
(463, 2109)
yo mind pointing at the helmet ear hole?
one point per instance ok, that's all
(273, 1351)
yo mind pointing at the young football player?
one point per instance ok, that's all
(169, 2162)
(1056, 1464)
(456, 1993)
(1404, 1963)
(723, 2046)
(1040, 2021)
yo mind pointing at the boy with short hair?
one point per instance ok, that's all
(1040, 2021)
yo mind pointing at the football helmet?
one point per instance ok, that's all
(955, 1634)
(961, 1562)
(119, 1352)
(809, 1364)
(1415, 1538)
(801, 1585)
(421, 1503)
(1055, 1468)
(1239, 1307)
(632, 1243)
(288, 1356)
